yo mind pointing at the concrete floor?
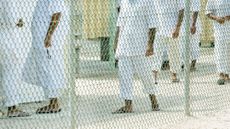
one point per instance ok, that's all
(98, 96)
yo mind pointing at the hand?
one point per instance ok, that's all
(20, 23)
(193, 30)
(149, 51)
(176, 32)
(48, 41)
(227, 18)
(115, 45)
(220, 20)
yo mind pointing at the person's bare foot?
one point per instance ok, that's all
(154, 103)
(53, 107)
(226, 78)
(14, 112)
(1, 113)
(174, 78)
(128, 108)
(221, 80)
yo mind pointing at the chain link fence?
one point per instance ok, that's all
(89, 64)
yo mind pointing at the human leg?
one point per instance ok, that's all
(125, 69)
(143, 68)
(174, 57)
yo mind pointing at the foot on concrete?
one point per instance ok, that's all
(128, 108)
(48, 109)
(174, 78)
(17, 113)
(221, 80)
(154, 103)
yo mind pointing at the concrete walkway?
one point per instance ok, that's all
(98, 96)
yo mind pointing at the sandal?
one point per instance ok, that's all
(175, 80)
(48, 110)
(221, 82)
(155, 105)
(17, 113)
(123, 110)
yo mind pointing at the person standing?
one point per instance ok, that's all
(170, 13)
(195, 30)
(48, 38)
(134, 39)
(219, 12)
(13, 53)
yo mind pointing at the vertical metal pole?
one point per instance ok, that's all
(72, 62)
(112, 30)
(187, 59)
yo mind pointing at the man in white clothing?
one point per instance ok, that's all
(13, 53)
(134, 39)
(48, 38)
(219, 12)
(170, 13)
(195, 30)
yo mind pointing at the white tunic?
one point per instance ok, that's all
(14, 47)
(195, 38)
(135, 20)
(169, 10)
(195, 7)
(49, 72)
(221, 8)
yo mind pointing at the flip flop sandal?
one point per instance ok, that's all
(45, 110)
(48, 111)
(18, 114)
(221, 82)
(121, 111)
(192, 69)
(156, 108)
(175, 80)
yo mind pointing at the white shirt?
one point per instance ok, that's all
(195, 7)
(220, 8)
(135, 20)
(168, 11)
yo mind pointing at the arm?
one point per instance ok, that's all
(194, 21)
(178, 25)
(220, 20)
(227, 18)
(53, 25)
(116, 39)
(151, 37)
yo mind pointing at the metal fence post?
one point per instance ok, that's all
(72, 62)
(187, 59)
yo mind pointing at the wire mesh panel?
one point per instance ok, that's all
(112, 63)
(36, 64)
(164, 47)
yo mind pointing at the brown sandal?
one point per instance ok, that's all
(155, 105)
(48, 110)
(122, 110)
(17, 113)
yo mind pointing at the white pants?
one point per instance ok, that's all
(13, 52)
(165, 54)
(143, 67)
(173, 46)
(222, 56)
(193, 46)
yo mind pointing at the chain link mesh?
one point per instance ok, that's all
(112, 63)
